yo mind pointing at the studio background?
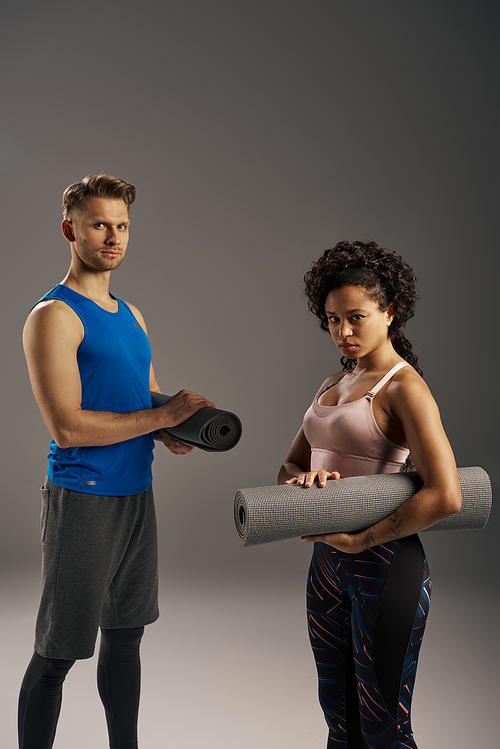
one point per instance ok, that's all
(257, 134)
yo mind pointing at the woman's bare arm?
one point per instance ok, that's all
(297, 459)
(412, 403)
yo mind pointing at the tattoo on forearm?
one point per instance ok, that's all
(369, 539)
(394, 531)
(395, 524)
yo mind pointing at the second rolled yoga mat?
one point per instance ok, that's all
(210, 429)
(275, 513)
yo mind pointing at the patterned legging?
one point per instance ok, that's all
(367, 615)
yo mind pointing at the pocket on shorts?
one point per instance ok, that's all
(45, 492)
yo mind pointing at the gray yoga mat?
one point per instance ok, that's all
(210, 429)
(275, 513)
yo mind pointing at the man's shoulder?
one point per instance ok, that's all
(48, 309)
(51, 318)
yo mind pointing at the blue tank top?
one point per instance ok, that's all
(114, 360)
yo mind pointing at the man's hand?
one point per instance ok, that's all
(175, 447)
(181, 406)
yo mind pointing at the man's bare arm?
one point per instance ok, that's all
(51, 337)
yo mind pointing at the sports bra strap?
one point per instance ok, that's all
(380, 384)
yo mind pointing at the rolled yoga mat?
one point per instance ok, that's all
(275, 513)
(209, 428)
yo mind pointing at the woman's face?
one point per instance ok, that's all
(356, 323)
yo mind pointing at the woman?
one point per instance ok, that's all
(368, 592)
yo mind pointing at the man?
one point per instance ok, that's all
(90, 367)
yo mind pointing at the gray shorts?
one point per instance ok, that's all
(99, 568)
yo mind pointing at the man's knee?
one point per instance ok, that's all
(53, 669)
(119, 645)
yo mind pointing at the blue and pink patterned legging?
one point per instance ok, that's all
(367, 615)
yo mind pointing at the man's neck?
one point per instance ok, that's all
(92, 284)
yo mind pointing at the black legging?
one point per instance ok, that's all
(118, 680)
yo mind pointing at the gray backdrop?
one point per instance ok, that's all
(257, 134)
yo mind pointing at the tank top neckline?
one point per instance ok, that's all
(369, 394)
(62, 285)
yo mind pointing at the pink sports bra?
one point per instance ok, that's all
(347, 439)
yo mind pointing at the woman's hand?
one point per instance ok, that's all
(349, 543)
(307, 479)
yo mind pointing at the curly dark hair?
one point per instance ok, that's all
(385, 277)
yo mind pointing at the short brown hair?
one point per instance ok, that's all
(100, 186)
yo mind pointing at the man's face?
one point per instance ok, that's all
(99, 232)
